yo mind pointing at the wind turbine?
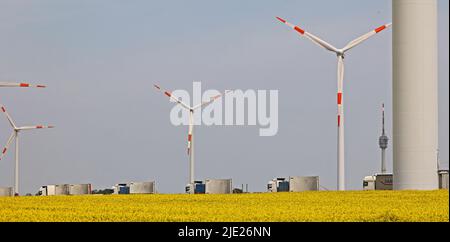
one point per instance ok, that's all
(11, 84)
(15, 135)
(340, 85)
(190, 146)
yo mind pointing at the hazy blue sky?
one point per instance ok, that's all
(100, 59)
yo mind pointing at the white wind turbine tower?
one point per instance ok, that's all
(340, 85)
(191, 110)
(15, 135)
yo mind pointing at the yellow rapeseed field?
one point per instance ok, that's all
(283, 207)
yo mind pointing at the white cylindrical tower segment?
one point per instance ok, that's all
(415, 94)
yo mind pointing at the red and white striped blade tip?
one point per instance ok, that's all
(45, 127)
(29, 85)
(296, 28)
(3, 152)
(382, 27)
(282, 20)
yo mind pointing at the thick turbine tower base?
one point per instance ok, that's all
(415, 94)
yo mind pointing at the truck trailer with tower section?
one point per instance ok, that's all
(6, 192)
(65, 189)
(443, 179)
(294, 184)
(135, 188)
(218, 186)
(143, 187)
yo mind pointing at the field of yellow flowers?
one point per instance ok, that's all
(284, 207)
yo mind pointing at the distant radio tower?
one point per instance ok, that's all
(384, 140)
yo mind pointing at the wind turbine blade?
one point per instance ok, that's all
(321, 43)
(310, 36)
(169, 94)
(212, 99)
(11, 84)
(5, 149)
(36, 127)
(365, 37)
(8, 117)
